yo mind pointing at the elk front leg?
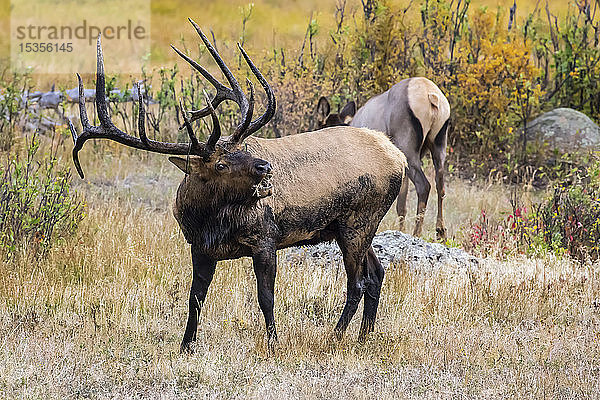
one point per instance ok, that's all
(204, 269)
(265, 268)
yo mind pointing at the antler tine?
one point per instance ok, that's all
(216, 132)
(223, 92)
(142, 117)
(197, 114)
(241, 131)
(188, 126)
(234, 93)
(101, 88)
(76, 150)
(85, 123)
(271, 103)
(228, 74)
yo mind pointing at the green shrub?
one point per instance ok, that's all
(37, 207)
(13, 106)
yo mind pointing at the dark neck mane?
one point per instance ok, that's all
(211, 220)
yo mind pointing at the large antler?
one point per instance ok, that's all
(235, 93)
(107, 130)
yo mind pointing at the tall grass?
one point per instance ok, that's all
(103, 317)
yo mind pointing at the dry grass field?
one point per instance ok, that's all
(103, 315)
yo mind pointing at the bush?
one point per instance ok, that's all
(486, 237)
(498, 71)
(565, 223)
(13, 104)
(569, 220)
(37, 207)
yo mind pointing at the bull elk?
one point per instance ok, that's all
(414, 113)
(269, 194)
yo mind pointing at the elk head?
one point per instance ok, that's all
(325, 119)
(235, 174)
(220, 162)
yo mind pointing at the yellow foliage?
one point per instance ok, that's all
(491, 73)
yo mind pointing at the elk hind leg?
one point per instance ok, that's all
(415, 173)
(401, 204)
(353, 254)
(374, 280)
(438, 155)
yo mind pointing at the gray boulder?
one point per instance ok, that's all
(391, 247)
(565, 129)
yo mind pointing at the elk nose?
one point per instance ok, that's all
(262, 167)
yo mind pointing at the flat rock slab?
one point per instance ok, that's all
(565, 129)
(392, 248)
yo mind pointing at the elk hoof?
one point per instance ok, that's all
(271, 341)
(186, 348)
(401, 223)
(362, 336)
(366, 327)
(440, 233)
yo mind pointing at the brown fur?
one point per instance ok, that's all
(308, 169)
(309, 166)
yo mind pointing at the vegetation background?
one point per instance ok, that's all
(95, 273)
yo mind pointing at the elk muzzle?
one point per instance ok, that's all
(264, 187)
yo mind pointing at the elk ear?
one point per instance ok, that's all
(181, 163)
(323, 109)
(348, 112)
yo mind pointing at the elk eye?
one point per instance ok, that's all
(220, 167)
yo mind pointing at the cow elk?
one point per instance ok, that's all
(247, 196)
(414, 113)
